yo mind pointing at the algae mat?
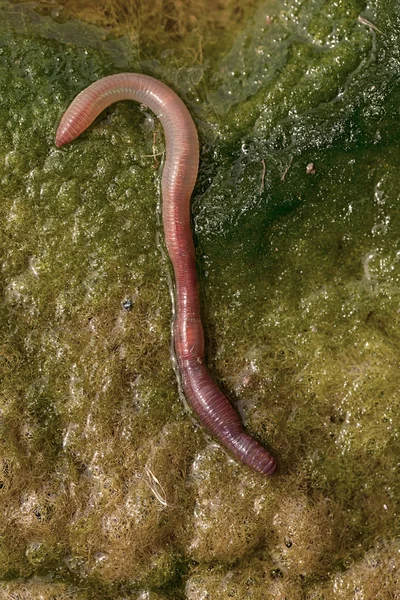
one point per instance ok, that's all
(108, 489)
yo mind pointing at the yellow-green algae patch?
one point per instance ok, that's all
(108, 489)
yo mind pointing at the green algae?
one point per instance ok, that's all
(108, 490)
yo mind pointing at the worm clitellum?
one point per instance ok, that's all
(179, 175)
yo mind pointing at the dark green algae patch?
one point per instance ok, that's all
(107, 488)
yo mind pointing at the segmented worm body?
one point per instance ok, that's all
(179, 175)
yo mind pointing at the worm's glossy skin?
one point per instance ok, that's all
(179, 175)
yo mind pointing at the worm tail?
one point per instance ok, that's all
(219, 417)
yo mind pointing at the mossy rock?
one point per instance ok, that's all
(109, 488)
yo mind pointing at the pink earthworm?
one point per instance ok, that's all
(179, 175)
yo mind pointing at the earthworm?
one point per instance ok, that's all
(179, 175)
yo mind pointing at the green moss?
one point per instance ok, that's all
(258, 581)
(110, 491)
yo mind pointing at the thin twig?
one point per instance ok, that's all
(364, 21)
(155, 486)
(287, 168)
(262, 177)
